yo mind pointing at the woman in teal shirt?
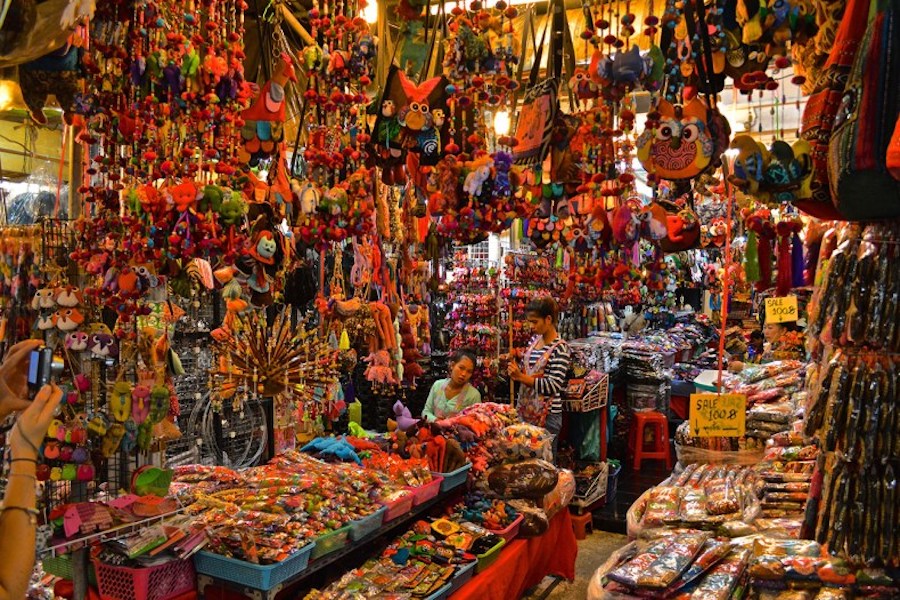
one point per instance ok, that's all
(449, 396)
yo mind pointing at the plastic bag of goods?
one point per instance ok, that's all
(526, 479)
(535, 521)
(560, 496)
(523, 442)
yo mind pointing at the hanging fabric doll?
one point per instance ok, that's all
(405, 121)
(263, 126)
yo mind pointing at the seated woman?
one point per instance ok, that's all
(449, 396)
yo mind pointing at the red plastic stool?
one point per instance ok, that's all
(582, 524)
(660, 450)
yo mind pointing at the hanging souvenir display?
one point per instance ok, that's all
(778, 174)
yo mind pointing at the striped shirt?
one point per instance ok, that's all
(553, 383)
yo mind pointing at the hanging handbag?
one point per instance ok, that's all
(817, 121)
(861, 186)
(537, 117)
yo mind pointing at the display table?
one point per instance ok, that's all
(524, 563)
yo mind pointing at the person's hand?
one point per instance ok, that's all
(14, 378)
(512, 369)
(31, 426)
(736, 366)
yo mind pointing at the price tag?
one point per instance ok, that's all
(718, 415)
(782, 310)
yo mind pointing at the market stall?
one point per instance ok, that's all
(388, 299)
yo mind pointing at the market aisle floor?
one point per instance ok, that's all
(592, 552)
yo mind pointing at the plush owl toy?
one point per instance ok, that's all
(677, 144)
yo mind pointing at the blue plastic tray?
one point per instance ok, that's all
(331, 542)
(454, 478)
(441, 594)
(258, 577)
(463, 576)
(363, 527)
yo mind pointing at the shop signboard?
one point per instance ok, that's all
(718, 415)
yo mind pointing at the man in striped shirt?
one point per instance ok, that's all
(544, 379)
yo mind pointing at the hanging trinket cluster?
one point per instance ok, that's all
(162, 114)
(333, 195)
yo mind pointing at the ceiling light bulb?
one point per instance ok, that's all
(370, 12)
(501, 122)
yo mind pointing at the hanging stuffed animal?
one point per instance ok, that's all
(263, 126)
(677, 143)
(405, 121)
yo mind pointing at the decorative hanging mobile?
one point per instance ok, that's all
(258, 360)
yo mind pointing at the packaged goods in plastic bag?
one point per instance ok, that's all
(722, 579)
(689, 455)
(628, 573)
(791, 453)
(561, 495)
(662, 506)
(535, 521)
(671, 563)
(779, 548)
(635, 515)
(526, 479)
(711, 554)
(733, 529)
(596, 590)
(523, 442)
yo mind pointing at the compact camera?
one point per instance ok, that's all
(43, 368)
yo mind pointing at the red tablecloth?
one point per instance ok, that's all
(524, 563)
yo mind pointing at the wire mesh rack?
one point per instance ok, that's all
(57, 240)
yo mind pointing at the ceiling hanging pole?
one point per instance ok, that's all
(298, 27)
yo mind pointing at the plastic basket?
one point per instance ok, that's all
(463, 576)
(595, 395)
(363, 527)
(424, 493)
(487, 559)
(398, 507)
(510, 533)
(331, 542)
(441, 594)
(258, 577)
(61, 566)
(595, 491)
(159, 582)
(454, 478)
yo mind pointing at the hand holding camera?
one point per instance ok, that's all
(14, 372)
(29, 368)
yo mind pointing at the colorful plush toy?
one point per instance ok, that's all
(403, 417)
(379, 369)
(184, 196)
(677, 143)
(479, 173)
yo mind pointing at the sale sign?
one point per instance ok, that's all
(718, 415)
(782, 310)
